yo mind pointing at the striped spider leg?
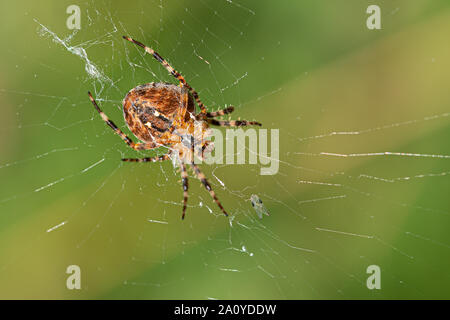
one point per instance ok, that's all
(205, 182)
(172, 71)
(148, 146)
(156, 114)
(209, 117)
(203, 112)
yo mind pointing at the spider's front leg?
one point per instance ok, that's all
(171, 70)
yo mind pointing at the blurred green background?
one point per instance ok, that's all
(308, 68)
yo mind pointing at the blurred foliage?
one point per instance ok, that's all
(308, 68)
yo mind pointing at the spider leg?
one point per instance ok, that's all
(233, 123)
(205, 182)
(171, 70)
(217, 113)
(184, 180)
(128, 141)
(164, 157)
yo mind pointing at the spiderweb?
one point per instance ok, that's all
(363, 167)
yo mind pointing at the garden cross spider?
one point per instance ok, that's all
(163, 114)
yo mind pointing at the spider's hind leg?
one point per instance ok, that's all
(205, 182)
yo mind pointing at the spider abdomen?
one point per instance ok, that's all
(149, 109)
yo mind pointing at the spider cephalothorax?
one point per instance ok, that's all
(163, 114)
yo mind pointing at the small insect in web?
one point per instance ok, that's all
(163, 114)
(258, 205)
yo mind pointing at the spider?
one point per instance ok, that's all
(163, 114)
